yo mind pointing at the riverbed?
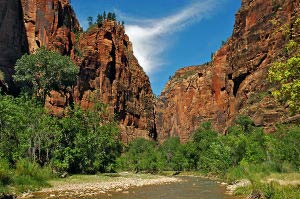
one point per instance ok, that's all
(183, 188)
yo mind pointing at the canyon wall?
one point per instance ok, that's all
(109, 72)
(13, 39)
(235, 82)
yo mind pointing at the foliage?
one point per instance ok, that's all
(110, 16)
(140, 156)
(29, 137)
(287, 75)
(88, 143)
(172, 155)
(26, 176)
(45, 71)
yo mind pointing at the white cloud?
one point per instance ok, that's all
(150, 37)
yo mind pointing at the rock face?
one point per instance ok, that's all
(50, 23)
(26, 25)
(235, 82)
(13, 42)
(109, 72)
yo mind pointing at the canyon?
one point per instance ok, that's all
(234, 83)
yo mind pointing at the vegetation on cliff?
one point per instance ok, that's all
(286, 74)
(44, 71)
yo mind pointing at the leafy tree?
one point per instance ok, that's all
(172, 155)
(288, 76)
(45, 71)
(29, 137)
(285, 146)
(245, 123)
(140, 156)
(89, 142)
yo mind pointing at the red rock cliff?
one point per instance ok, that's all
(235, 82)
(13, 40)
(26, 25)
(109, 72)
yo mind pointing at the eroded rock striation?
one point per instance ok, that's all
(235, 82)
(109, 73)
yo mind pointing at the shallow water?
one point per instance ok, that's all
(188, 188)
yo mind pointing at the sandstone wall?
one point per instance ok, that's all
(235, 82)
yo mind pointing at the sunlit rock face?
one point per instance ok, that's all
(50, 23)
(26, 25)
(235, 82)
(109, 72)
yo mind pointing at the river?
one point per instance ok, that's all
(189, 188)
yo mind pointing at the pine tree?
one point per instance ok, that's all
(90, 20)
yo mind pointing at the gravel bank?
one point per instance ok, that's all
(90, 189)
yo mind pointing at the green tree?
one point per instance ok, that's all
(109, 16)
(287, 74)
(45, 71)
(29, 137)
(113, 17)
(172, 155)
(99, 19)
(89, 142)
(140, 155)
(90, 21)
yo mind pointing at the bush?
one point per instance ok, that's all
(88, 143)
(140, 155)
(5, 173)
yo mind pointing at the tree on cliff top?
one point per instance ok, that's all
(45, 71)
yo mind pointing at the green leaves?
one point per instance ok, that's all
(89, 143)
(45, 71)
(287, 75)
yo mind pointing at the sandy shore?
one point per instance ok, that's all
(80, 188)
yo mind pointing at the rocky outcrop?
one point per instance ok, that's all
(13, 42)
(236, 81)
(51, 24)
(109, 73)
(26, 25)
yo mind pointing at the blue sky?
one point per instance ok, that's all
(168, 34)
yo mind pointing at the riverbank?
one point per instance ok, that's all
(258, 185)
(90, 185)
